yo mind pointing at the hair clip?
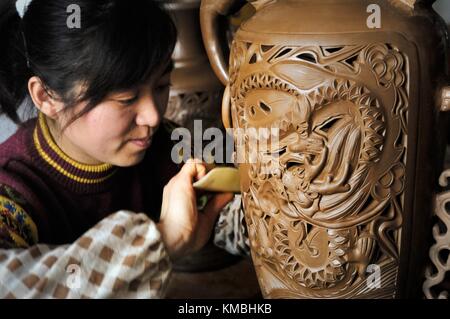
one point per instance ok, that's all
(21, 7)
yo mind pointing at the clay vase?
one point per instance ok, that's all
(195, 95)
(196, 92)
(342, 206)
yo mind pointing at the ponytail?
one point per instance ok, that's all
(14, 71)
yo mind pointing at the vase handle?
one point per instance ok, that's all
(210, 10)
(226, 108)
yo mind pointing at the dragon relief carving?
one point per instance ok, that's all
(326, 201)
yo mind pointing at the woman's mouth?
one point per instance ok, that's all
(142, 143)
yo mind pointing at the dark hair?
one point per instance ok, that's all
(119, 45)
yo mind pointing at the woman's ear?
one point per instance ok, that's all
(46, 103)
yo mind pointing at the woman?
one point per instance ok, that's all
(96, 147)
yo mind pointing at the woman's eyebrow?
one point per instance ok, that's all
(123, 93)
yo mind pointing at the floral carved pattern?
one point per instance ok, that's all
(326, 202)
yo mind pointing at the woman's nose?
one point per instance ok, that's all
(147, 113)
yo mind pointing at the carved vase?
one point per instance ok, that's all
(358, 93)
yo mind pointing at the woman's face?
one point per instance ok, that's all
(119, 130)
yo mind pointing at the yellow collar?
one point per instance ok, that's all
(49, 151)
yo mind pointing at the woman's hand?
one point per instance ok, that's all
(183, 229)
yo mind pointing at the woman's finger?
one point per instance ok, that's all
(194, 168)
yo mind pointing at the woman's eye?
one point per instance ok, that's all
(129, 101)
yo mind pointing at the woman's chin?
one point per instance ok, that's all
(130, 160)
